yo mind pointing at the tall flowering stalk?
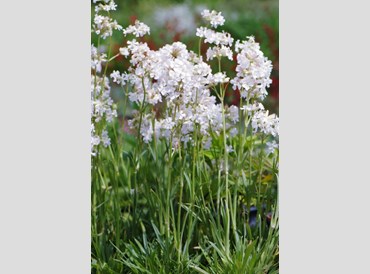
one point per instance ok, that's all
(102, 108)
(197, 163)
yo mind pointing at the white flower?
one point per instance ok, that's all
(213, 37)
(139, 52)
(104, 26)
(124, 51)
(146, 129)
(256, 106)
(265, 123)
(229, 149)
(153, 96)
(116, 76)
(233, 132)
(119, 78)
(102, 111)
(201, 32)
(207, 143)
(253, 70)
(179, 80)
(270, 147)
(202, 69)
(139, 29)
(174, 75)
(234, 113)
(97, 59)
(166, 126)
(219, 52)
(110, 5)
(214, 17)
(105, 138)
(219, 78)
(95, 140)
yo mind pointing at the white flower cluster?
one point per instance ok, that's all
(271, 146)
(97, 59)
(104, 26)
(265, 123)
(253, 70)
(119, 78)
(222, 41)
(214, 37)
(102, 103)
(139, 29)
(180, 79)
(214, 17)
(219, 52)
(102, 107)
(220, 78)
(107, 5)
(102, 111)
(178, 82)
(251, 108)
(96, 140)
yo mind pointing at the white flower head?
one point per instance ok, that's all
(229, 149)
(107, 6)
(139, 29)
(265, 123)
(173, 75)
(214, 17)
(219, 52)
(214, 37)
(119, 78)
(97, 59)
(253, 70)
(250, 108)
(219, 78)
(124, 51)
(103, 111)
(105, 138)
(104, 26)
(271, 146)
(207, 143)
(233, 132)
(234, 113)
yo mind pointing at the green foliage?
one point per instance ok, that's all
(159, 211)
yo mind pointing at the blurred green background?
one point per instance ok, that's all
(177, 20)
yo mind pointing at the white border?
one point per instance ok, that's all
(324, 102)
(45, 137)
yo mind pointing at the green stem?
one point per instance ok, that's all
(179, 238)
(226, 166)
